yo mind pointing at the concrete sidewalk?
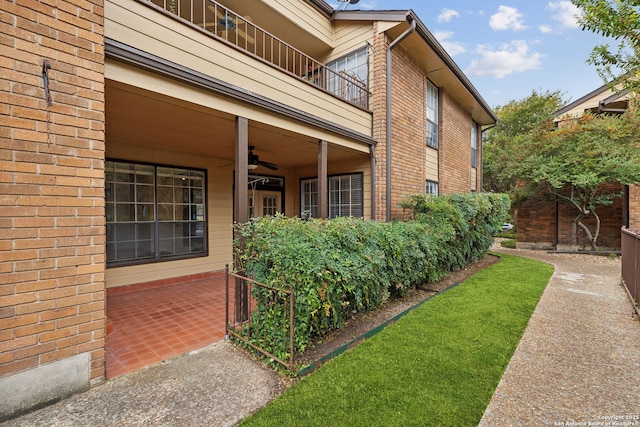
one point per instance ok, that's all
(217, 385)
(579, 359)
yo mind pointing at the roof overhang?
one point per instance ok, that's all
(440, 68)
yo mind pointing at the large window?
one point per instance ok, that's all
(345, 196)
(356, 65)
(154, 212)
(432, 115)
(474, 145)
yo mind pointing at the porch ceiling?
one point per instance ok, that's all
(142, 118)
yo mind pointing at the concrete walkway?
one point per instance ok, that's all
(578, 362)
(215, 386)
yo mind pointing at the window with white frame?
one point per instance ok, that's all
(431, 188)
(355, 64)
(345, 196)
(154, 212)
(432, 115)
(474, 145)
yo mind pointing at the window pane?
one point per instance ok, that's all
(145, 249)
(145, 231)
(125, 193)
(165, 194)
(165, 212)
(197, 245)
(144, 193)
(110, 212)
(432, 115)
(144, 212)
(182, 212)
(125, 212)
(197, 195)
(165, 230)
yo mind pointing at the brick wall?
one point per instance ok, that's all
(536, 224)
(378, 102)
(455, 146)
(634, 208)
(52, 296)
(409, 129)
(409, 132)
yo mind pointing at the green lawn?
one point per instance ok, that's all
(436, 366)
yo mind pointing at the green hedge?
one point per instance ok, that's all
(344, 265)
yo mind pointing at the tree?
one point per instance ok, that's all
(503, 142)
(620, 20)
(574, 161)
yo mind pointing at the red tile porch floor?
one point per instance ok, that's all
(154, 324)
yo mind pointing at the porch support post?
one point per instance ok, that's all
(241, 195)
(323, 181)
(241, 215)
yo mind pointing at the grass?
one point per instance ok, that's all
(437, 366)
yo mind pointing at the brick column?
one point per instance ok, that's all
(378, 106)
(634, 208)
(52, 262)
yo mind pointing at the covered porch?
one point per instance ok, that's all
(144, 127)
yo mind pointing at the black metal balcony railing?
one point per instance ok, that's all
(240, 32)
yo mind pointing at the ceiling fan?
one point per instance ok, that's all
(254, 160)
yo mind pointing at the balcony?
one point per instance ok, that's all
(238, 31)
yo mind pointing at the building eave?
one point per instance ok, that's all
(408, 16)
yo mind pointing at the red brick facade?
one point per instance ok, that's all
(545, 223)
(634, 208)
(455, 147)
(409, 126)
(52, 296)
(377, 104)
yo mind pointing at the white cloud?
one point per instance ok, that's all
(447, 15)
(452, 48)
(545, 29)
(507, 18)
(565, 13)
(514, 57)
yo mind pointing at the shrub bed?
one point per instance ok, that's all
(346, 265)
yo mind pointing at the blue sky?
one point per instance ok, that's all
(508, 48)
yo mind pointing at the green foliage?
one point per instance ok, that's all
(588, 153)
(437, 366)
(347, 265)
(525, 156)
(502, 147)
(619, 20)
(574, 161)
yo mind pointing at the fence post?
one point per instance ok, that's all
(292, 301)
(226, 301)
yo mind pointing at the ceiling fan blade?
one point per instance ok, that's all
(268, 165)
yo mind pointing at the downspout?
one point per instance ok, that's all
(392, 45)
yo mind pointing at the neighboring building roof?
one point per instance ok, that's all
(599, 100)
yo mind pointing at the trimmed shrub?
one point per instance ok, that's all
(346, 265)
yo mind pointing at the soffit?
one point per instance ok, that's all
(147, 119)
